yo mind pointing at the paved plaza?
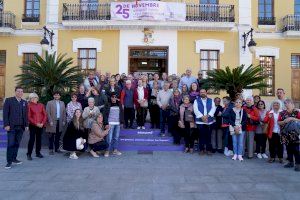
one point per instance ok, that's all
(161, 176)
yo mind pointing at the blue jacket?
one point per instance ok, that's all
(15, 113)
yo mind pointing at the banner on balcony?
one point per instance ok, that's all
(148, 10)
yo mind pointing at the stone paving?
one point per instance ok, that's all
(157, 176)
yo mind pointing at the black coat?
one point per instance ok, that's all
(13, 112)
(233, 116)
(71, 135)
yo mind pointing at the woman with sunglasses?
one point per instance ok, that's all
(261, 137)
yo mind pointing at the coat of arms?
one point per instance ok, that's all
(148, 38)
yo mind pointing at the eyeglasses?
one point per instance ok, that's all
(238, 102)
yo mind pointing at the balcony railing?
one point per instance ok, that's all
(266, 20)
(210, 13)
(31, 18)
(91, 11)
(7, 19)
(291, 23)
(194, 12)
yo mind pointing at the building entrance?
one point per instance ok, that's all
(148, 59)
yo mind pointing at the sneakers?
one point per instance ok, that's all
(259, 156)
(234, 157)
(116, 152)
(240, 157)
(17, 162)
(264, 156)
(289, 165)
(138, 127)
(143, 127)
(94, 154)
(8, 166)
(106, 154)
(73, 156)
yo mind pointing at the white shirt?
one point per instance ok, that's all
(276, 128)
(57, 109)
(199, 114)
(140, 91)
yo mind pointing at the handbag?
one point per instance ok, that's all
(188, 116)
(144, 104)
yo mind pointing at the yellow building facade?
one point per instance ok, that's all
(209, 37)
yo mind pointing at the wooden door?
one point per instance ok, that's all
(296, 84)
(2, 75)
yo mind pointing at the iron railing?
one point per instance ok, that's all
(31, 18)
(89, 11)
(194, 12)
(291, 23)
(266, 20)
(210, 12)
(7, 19)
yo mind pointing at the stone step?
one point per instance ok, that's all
(140, 132)
(123, 147)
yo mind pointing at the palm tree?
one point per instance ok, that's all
(49, 75)
(235, 80)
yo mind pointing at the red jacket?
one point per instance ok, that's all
(270, 122)
(136, 96)
(254, 116)
(36, 114)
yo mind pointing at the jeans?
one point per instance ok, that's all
(216, 138)
(54, 138)
(204, 137)
(113, 137)
(128, 116)
(140, 116)
(164, 114)
(293, 151)
(249, 141)
(227, 138)
(261, 140)
(14, 137)
(99, 146)
(238, 143)
(35, 136)
(275, 146)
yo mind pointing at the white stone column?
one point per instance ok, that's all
(245, 24)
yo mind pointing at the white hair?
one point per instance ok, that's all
(250, 97)
(276, 101)
(91, 99)
(128, 81)
(32, 95)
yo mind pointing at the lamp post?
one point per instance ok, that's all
(44, 42)
(251, 45)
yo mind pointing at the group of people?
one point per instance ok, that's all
(179, 106)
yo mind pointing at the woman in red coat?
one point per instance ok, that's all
(37, 118)
(273, 132)
(140, 98)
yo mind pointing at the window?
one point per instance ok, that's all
(27, 59)
(209, 1)
(266, 12)
(2, 58)
(32, 11)
(87, 59)
(209, 60)
(295, 61)
(297, 7)
(268, 66)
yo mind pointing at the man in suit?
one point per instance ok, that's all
(15, 122)
(56, 112)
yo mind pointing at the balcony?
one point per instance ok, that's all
(7, 22)
(266, 20)
(198, 17)
(31, 18)
(291, 25)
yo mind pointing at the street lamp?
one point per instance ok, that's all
(251, 45)
(44, 42)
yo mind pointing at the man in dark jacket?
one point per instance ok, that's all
(15, 122)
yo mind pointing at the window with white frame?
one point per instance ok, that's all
(268, 67)
(87, 59)
(295, 61)
(209, 60)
